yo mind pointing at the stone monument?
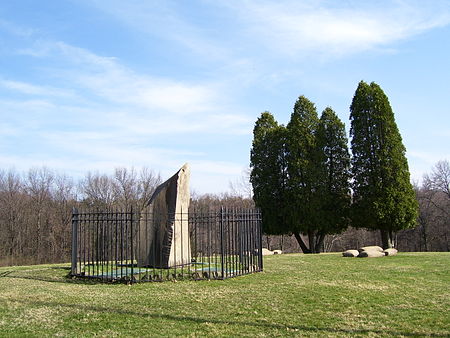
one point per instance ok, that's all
(163, 240)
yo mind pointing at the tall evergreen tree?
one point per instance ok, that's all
(300, 174)
(268, 173)
(303, 167)
(334, 181)
(383, 197)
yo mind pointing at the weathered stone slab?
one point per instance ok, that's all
(390, 252)
(371, 253)
(371, 248)
(350, 253)
(163, 240)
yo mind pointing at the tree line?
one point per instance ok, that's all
(308, 185)
(36, 208)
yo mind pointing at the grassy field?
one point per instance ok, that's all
(296, 295)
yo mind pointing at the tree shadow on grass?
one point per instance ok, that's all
(200, 320)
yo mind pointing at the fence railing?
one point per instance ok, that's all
(135, 246)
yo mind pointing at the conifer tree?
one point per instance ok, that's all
(268, 173)
(383, 197)
(334, 180)
(303, 167)
(300, 174)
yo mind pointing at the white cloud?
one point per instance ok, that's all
(140, 102)
(111, 116)
(164, 20)
(285, 27)
(296, 27)
(31, 89)
(107, 78)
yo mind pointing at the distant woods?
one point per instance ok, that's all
(36, 208)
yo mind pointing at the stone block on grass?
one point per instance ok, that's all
(390, 252)
(350, 253)
(266, 252)
(371, 248)
(371, 253)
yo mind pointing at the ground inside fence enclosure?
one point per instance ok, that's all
(211, 268)
(139, 247)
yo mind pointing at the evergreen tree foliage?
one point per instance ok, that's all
(303, 167)
(300, 174)
(334, 192)
(383, 197)
(268, 174)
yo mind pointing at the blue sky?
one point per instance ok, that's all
(91, 85)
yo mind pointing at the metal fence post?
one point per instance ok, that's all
(132, 248)
(222, 249)
(74, 241)
(259, 217)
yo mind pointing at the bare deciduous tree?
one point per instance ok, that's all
(439, 179)
(12, 202)
(147, 183)
(242, 186)
(38, 185)
(125, 185)
(63, 201)
(98, 190)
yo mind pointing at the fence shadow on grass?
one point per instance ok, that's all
(199, 320)
(39, 274)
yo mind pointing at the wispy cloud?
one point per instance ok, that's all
(298, 27)
(106, 115)
(34, 90)
(14, 29)
(78, 108)
(165, 20)
(168, 105)
(286, 27)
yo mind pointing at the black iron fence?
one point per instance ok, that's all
(135, 246)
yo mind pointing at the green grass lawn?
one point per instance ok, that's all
(296, 295)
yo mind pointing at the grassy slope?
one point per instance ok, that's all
(297, 295)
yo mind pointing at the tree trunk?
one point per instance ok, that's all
(446, 242)
(301, 243)
(38, 237)
(424, 235)
(387, 239)
(320, 237)
(268, 241)
(311, 240)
